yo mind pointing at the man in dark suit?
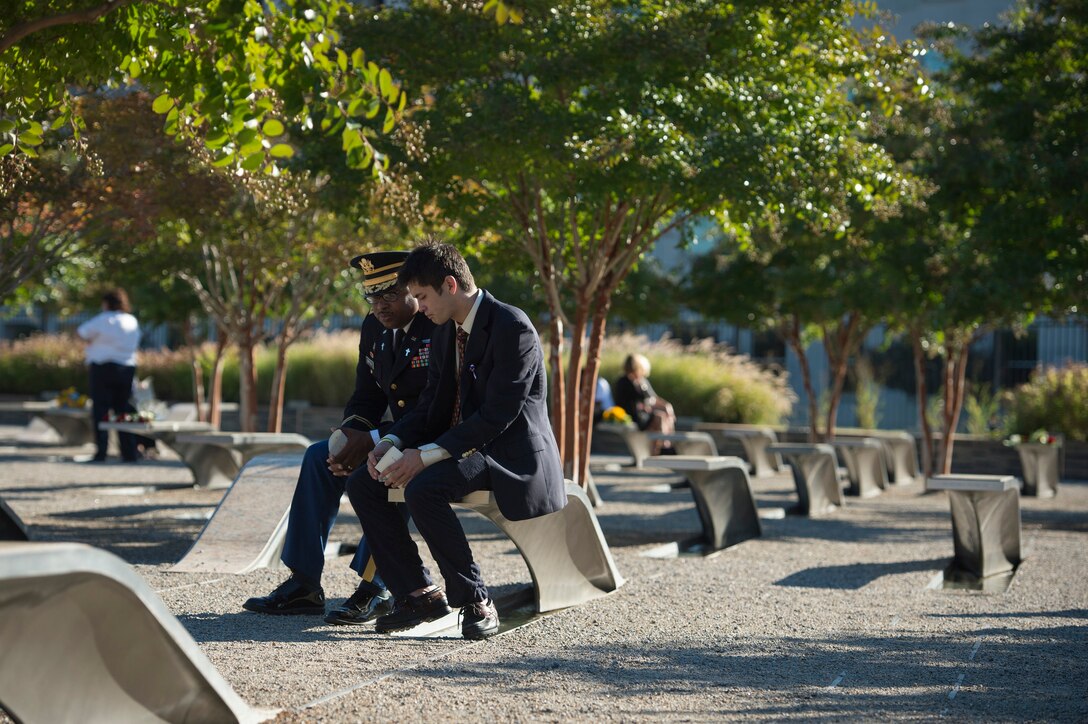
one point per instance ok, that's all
(481, 423)
(394, 352)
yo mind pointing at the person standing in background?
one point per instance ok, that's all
(113, 336)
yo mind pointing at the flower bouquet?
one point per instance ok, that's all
(617, 415)
(71, 399)
(139, 416)
(1039, 437)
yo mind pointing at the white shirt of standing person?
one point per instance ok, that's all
(113, 337)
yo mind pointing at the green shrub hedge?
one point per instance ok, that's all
(1055, 400)
(320, 369)
(704, 380)
(701, 380)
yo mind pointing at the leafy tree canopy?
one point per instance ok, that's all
(240, 74)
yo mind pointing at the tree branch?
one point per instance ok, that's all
(17, 33)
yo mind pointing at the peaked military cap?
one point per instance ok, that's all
(379, 269)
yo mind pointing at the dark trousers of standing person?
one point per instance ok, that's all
(428, 497)
(111, 389)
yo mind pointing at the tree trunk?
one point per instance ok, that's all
(955, 375)
(555, 362)
(247, 386)
(793, 339)
(195, 367)
(279, 383)
(572, 433)
(215, 395)
(839, 346)
(590, 372)
(920, 393)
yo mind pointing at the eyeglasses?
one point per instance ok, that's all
(388, 296)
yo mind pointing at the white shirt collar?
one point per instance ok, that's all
(467, 324)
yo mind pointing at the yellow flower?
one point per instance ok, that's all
(617, 414)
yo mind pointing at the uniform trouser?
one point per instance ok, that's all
(313, 512)
(428, 497)
(111, 389)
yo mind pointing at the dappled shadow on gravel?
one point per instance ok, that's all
(900, 675)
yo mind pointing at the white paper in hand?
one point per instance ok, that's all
(391, 456)
(337, 441)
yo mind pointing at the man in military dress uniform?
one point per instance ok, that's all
(394, 355)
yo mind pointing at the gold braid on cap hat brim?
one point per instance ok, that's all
(387, 275)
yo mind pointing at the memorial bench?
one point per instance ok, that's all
(754, 438)
(638, 442)
(565, 551)
(86, 639)
(216, 457)
(12, 526)
(52, 424)
(249, 526)
(985, 523)
(815, 475)
(866, 466)
(723, 498)
(901, 453)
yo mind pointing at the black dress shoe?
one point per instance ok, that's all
(366, 603)
(479, 620)
(410, 611)
(293, 597)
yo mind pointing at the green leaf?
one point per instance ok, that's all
(7, 126)
(6, 149)
(390, 121)
(162, 104)
(223, 160)
(253, 161)
(282, 150)
(373, 108)
(273, 128)
(385, 82)
(28, 151)
(29, 138)
(342, 59)
(357, 58)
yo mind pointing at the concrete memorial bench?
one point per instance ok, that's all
(248, 528)
(52, 424)
(865, 465)
(1041, 467)
(12, 526)
(723, 497)
(815, 475)
(638, 442)
(901, 453)
(754, 438)
(565, 551)
(216, 457)
(86, 639)
(985, 522)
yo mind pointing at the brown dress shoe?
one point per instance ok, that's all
(410, 611)
(479, 620)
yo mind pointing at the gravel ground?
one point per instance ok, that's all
(840, 618)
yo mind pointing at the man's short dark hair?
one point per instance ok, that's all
(116, 300)
(431, 262)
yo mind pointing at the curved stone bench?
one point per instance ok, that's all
(85, 639)
(755, 439)
(565, 551)
(216, 457)
(815, 475)
(248, 528)
(985, 522)
(865, 465)
(723, 496)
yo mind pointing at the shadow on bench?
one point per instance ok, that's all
(86, 639)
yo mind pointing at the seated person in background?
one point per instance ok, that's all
(634, 393)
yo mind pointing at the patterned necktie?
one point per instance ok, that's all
(462, 338)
